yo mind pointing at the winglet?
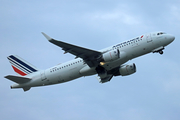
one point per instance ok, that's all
(47, 37)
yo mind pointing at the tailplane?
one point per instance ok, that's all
(18, 79)
(21, 66)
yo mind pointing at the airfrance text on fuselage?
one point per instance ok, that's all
(125, 43)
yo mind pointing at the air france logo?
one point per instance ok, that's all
(125, 43)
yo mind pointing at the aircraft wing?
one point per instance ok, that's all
(88, 55)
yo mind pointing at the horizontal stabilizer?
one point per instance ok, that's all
(18, 79)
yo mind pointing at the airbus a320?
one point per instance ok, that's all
(106, 63)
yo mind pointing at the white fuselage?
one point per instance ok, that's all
(77, 68)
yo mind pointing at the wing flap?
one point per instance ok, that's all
(106, 79)
(18, 79)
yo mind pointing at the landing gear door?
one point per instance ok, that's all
(148, 38)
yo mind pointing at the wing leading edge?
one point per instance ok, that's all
(88, 55)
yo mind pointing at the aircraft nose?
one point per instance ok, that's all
(171, 38)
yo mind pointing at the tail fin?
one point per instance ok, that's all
(20, 66)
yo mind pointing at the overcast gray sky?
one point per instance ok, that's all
(152, 93)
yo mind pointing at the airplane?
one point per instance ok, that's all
(106, 63)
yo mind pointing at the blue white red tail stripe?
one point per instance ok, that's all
(15, 64)
(18, 71)
(21, 62)
(20, 66)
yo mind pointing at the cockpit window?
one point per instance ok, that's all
(160, 33)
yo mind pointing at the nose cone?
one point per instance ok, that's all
(171, 38)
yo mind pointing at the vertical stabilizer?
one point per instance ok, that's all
(21, 66)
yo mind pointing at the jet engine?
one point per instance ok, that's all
(127, 69)
(111, 55)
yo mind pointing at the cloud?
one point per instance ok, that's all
(151, 93)
(133, 114)
(119, 15)
(175, 14)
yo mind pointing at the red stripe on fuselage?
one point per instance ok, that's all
(19, 71)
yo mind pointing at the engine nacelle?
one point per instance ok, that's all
(127, 69)
(111, 55)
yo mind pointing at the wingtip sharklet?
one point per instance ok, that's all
(46, 36)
